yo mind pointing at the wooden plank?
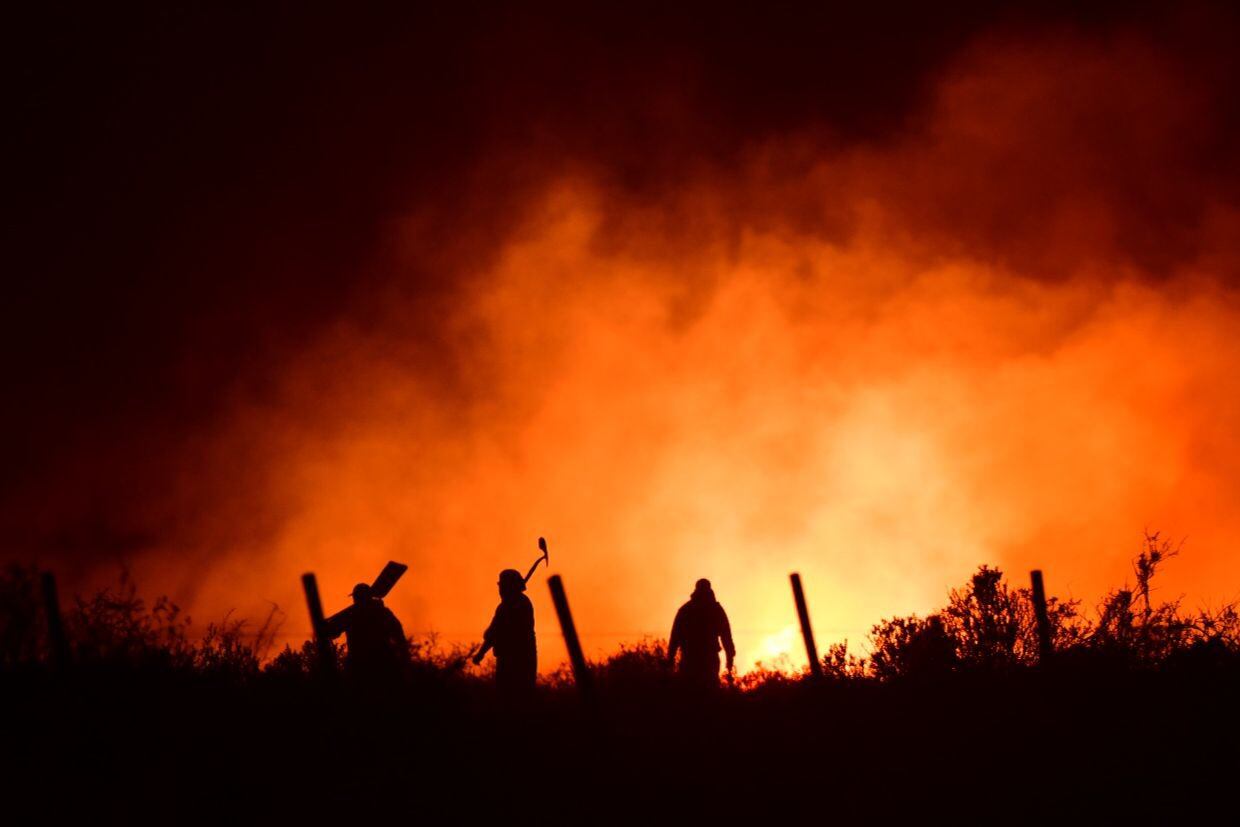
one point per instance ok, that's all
(581, 671)
(387, 578)
(322, 641)
(1045, 645)
(57, 643)
(807, 631)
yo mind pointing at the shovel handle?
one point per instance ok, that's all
(546, 556)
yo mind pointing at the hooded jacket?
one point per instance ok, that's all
(701, 628)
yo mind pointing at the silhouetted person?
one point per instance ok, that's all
(700, 630)
(376, 639)
(511, 635)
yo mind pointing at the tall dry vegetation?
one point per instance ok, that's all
(988, 625)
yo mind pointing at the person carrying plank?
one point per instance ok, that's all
(376, 640)
(701, 626)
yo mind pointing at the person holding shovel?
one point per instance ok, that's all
(511, 633)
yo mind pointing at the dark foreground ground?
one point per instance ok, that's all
(1132, 714)
(1063, 742)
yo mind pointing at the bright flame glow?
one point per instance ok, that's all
(695, 388)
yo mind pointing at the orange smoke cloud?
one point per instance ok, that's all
(878, 365)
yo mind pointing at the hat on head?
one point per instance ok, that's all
(511, 579)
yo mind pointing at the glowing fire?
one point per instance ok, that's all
(701, 387)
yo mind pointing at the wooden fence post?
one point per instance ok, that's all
(1045, 645)
(581, 671)
(807, 631)
(322, 642)
(57, 643)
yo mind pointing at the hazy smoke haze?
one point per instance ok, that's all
(989, 318)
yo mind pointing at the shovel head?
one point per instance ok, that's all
(387, 578)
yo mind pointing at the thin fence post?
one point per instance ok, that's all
(807, 631)
(57, 643)
(322, 641)
(581, 672)
(1045, 646)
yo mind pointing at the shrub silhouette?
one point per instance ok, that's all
(637, 667)
(987, 625)
(227, 649)
(913, 722)
(1136, 631)
(22, 626)
(116, 627)
(912, 647)
(841, 665)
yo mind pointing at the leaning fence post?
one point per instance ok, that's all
(807, 631)
(322, 641)
(581, 672)
(57, 643)
(1045, 647)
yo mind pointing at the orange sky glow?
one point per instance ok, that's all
(795, 364)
